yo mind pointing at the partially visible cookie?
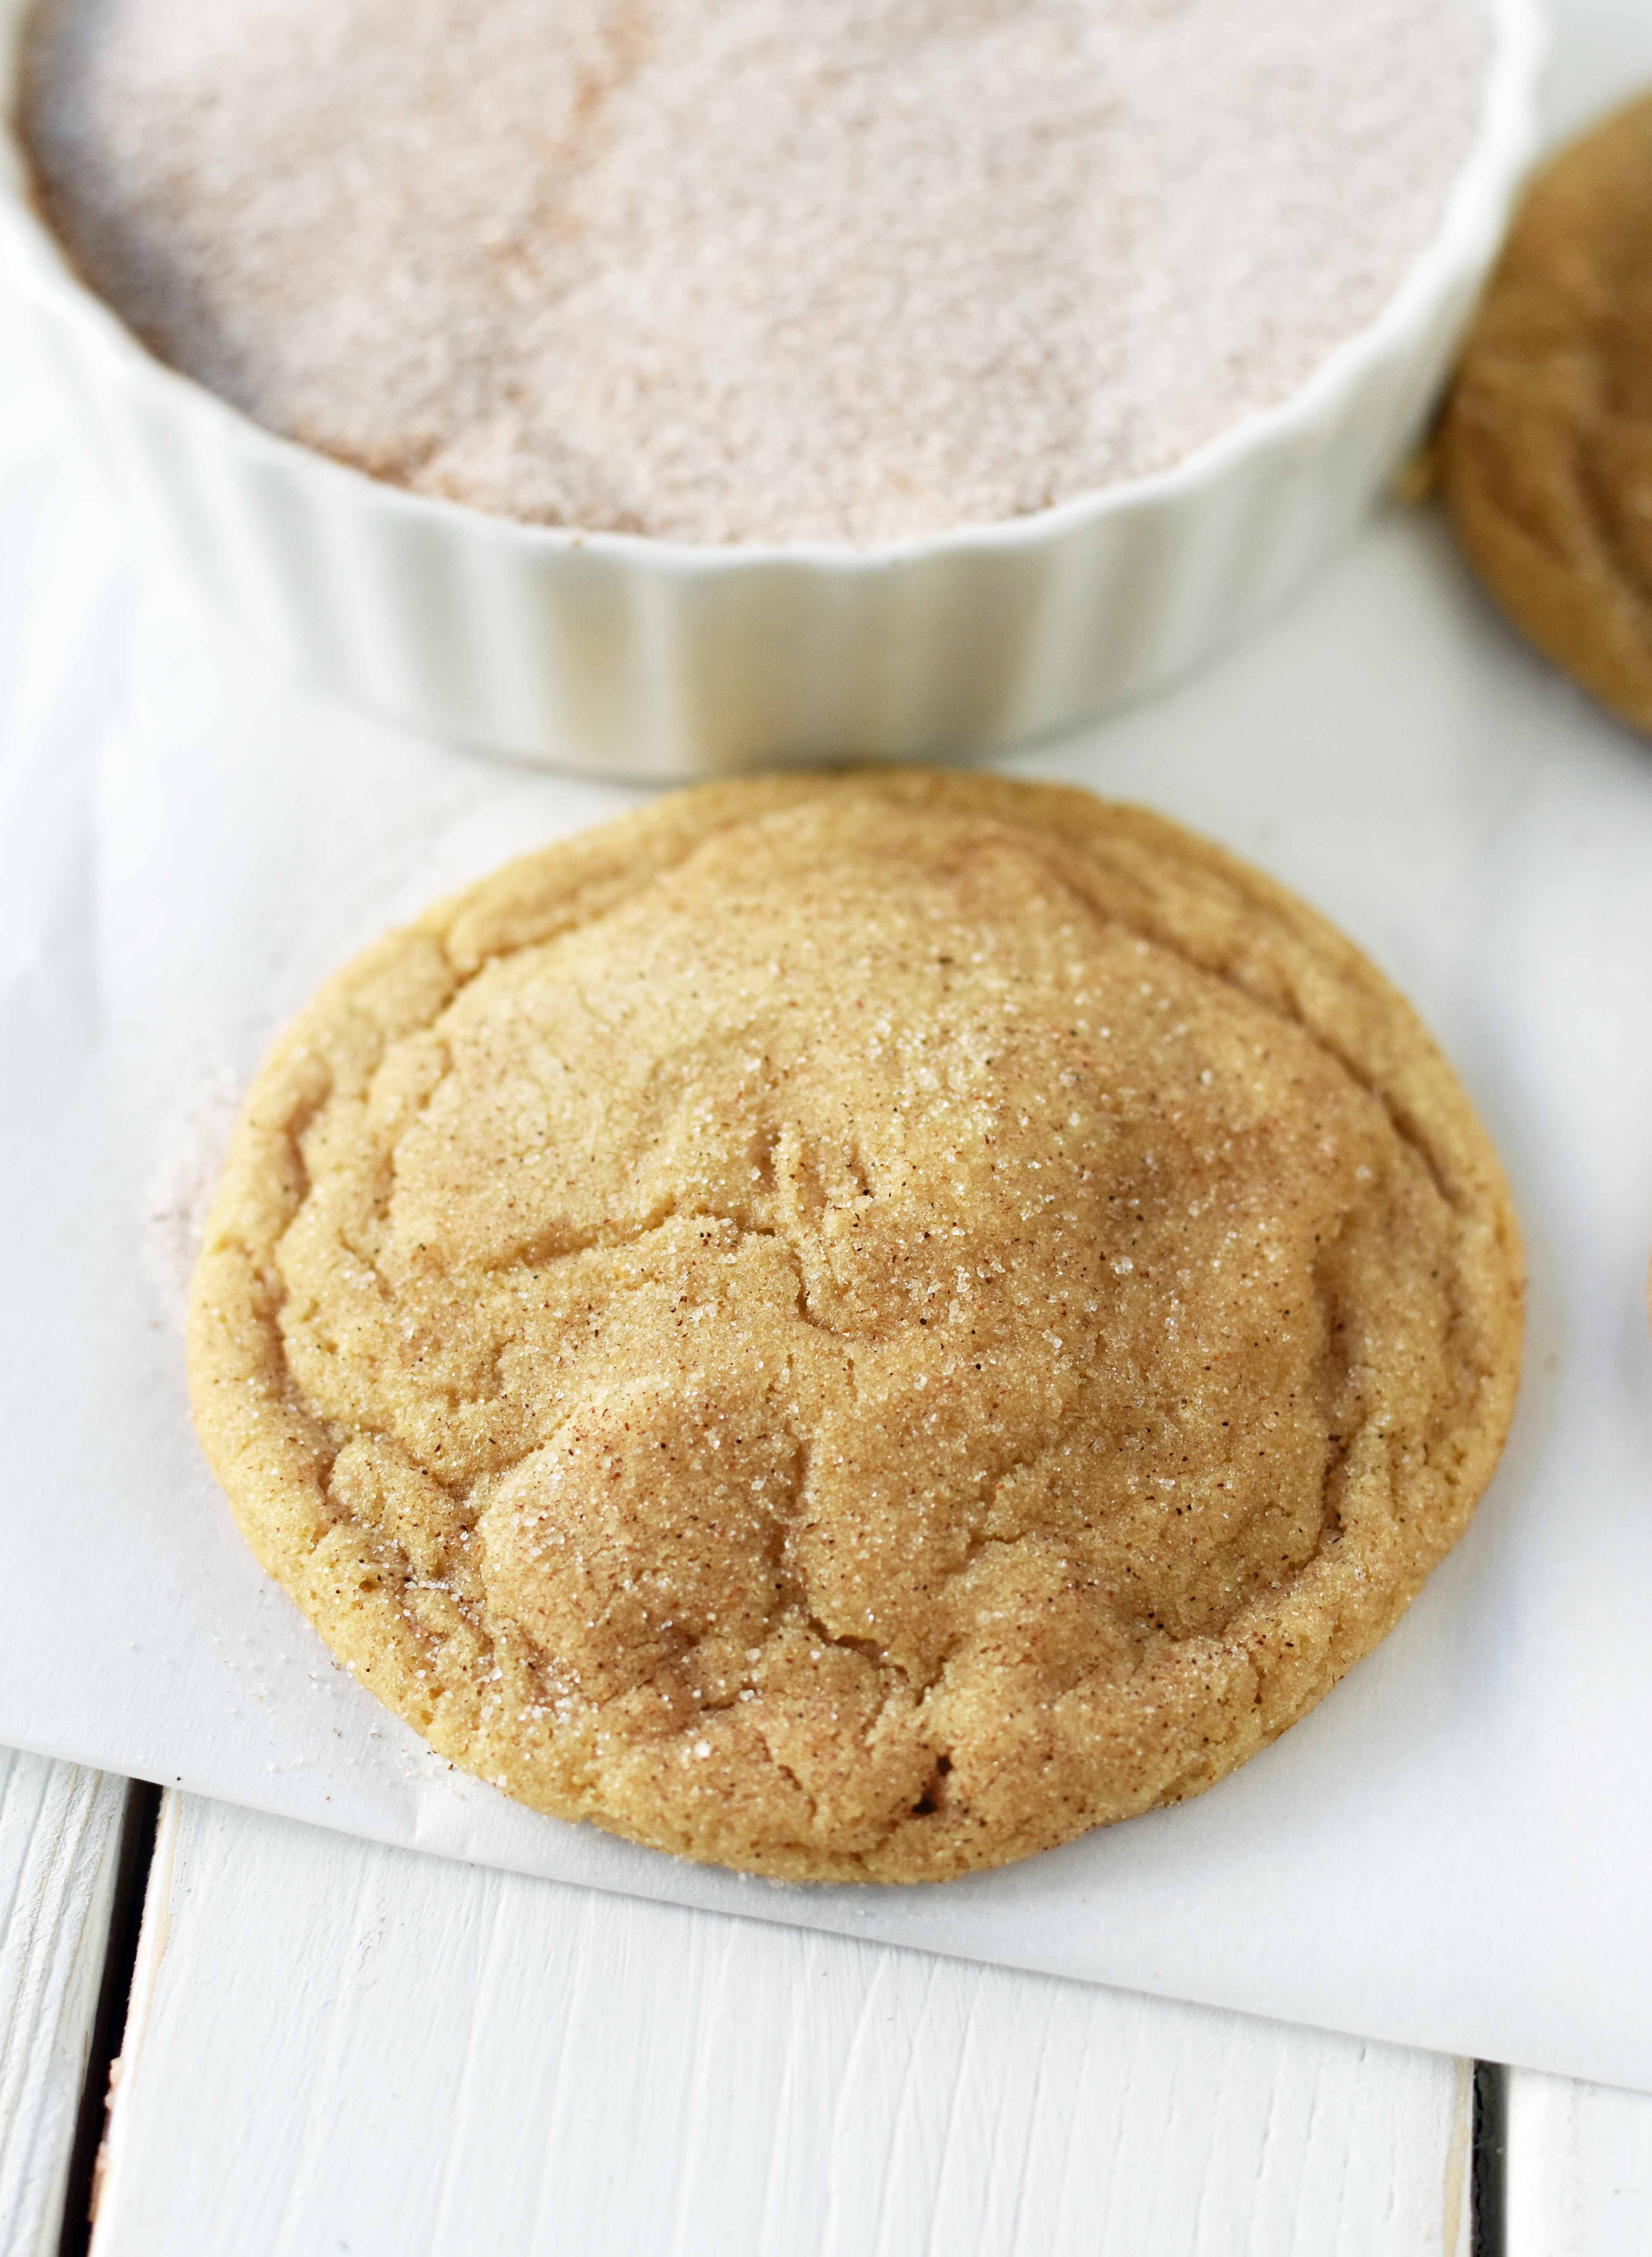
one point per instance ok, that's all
(855, 1327)
(1546, 449)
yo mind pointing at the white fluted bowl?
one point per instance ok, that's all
(630, 656)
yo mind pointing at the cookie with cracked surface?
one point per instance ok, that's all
(1545, 452)
(856, 1327)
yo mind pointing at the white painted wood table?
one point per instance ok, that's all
(325, 2045)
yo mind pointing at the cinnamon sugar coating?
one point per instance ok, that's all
(738, 271)
(857, 1328)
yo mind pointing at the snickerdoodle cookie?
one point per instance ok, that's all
(857, 1328)
(1546, 449)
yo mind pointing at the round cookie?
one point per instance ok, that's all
(856, 1327)
(1546, 447)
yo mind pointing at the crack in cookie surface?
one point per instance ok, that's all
(873, 1296)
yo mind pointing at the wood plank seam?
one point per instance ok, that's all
(1488, 2170)
(151, 1949)
(134, 1854)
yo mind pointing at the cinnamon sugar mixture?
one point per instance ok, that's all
(846, 272)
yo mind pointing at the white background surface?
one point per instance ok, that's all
(1452, 1851)
(332, 2045)
(457, 2062)
(58, 1838)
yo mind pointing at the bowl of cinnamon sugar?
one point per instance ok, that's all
(663, 388)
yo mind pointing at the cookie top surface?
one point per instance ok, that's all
(857, 1328)
(1546, 447)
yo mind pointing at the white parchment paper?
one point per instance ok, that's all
(1454, 1850)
